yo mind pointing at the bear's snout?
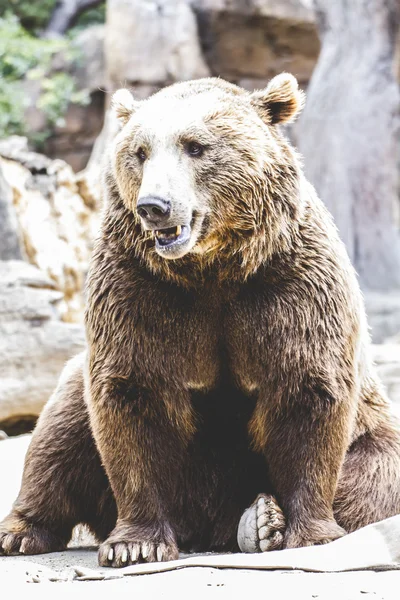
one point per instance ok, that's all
(154, 211)
(172, 235)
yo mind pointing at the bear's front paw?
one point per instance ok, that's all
(121, 554)
(128, 545)
(262, 526)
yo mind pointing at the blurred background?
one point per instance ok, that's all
(60, 60)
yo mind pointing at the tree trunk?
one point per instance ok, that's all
(349, 132)
(65, 14)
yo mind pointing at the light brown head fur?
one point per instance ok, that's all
(240, 197)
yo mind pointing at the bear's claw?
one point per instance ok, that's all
(262, 526)
(122, 554)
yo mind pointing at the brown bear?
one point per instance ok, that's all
(227, 359)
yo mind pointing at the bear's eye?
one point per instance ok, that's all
(141, 154)
(194, 149)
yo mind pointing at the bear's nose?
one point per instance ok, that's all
(154, 210)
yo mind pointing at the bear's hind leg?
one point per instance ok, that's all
(18, 536)
(369, 485)
(63, 482)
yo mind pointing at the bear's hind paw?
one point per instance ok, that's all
(31, 541)
(262, 526)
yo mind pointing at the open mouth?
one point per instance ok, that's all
(172, 237)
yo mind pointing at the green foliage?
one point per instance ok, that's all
(23, 56)
(33, 14)
(20, 51)
(57, 92)
(11, 109)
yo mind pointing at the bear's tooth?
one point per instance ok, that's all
(178, 230)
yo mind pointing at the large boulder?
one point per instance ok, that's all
(73, 139)
(152, 43)
(90, 70)
(34, 342)
(10, 242)
(250, 42)
(383, 310)
(56, 226)
(387, 360)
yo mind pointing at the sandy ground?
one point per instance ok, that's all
(194, 581)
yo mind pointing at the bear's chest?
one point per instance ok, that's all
(197, 340)
(177, 338)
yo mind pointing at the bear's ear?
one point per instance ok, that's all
(280, 101)
(124, 105)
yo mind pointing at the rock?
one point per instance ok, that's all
(90, 70)
(57, 227)
(89, 180)
(10, 242)
(34, 342)
(295, 10)
(387, 360)
(383, 310)
(74, 139)
(35, 119)
(256, 39)
(165, 33)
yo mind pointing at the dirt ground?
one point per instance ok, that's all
(199, 581)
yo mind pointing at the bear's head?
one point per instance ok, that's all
(204, 171)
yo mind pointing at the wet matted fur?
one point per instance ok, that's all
(237, 366)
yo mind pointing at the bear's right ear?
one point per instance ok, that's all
(280, 102)
(124, 105)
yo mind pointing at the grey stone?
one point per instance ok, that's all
(34, 342)
(256, 39)
(383, 310)
(152, 43)
(10, 245)
(57, 226)
(90, 69)
(387, 360)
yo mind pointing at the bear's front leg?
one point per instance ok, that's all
(141, 442)
(304, 438)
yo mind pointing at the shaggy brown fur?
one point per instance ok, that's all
(239, 367)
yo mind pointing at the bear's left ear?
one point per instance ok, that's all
(280, 101)
(124, 105)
